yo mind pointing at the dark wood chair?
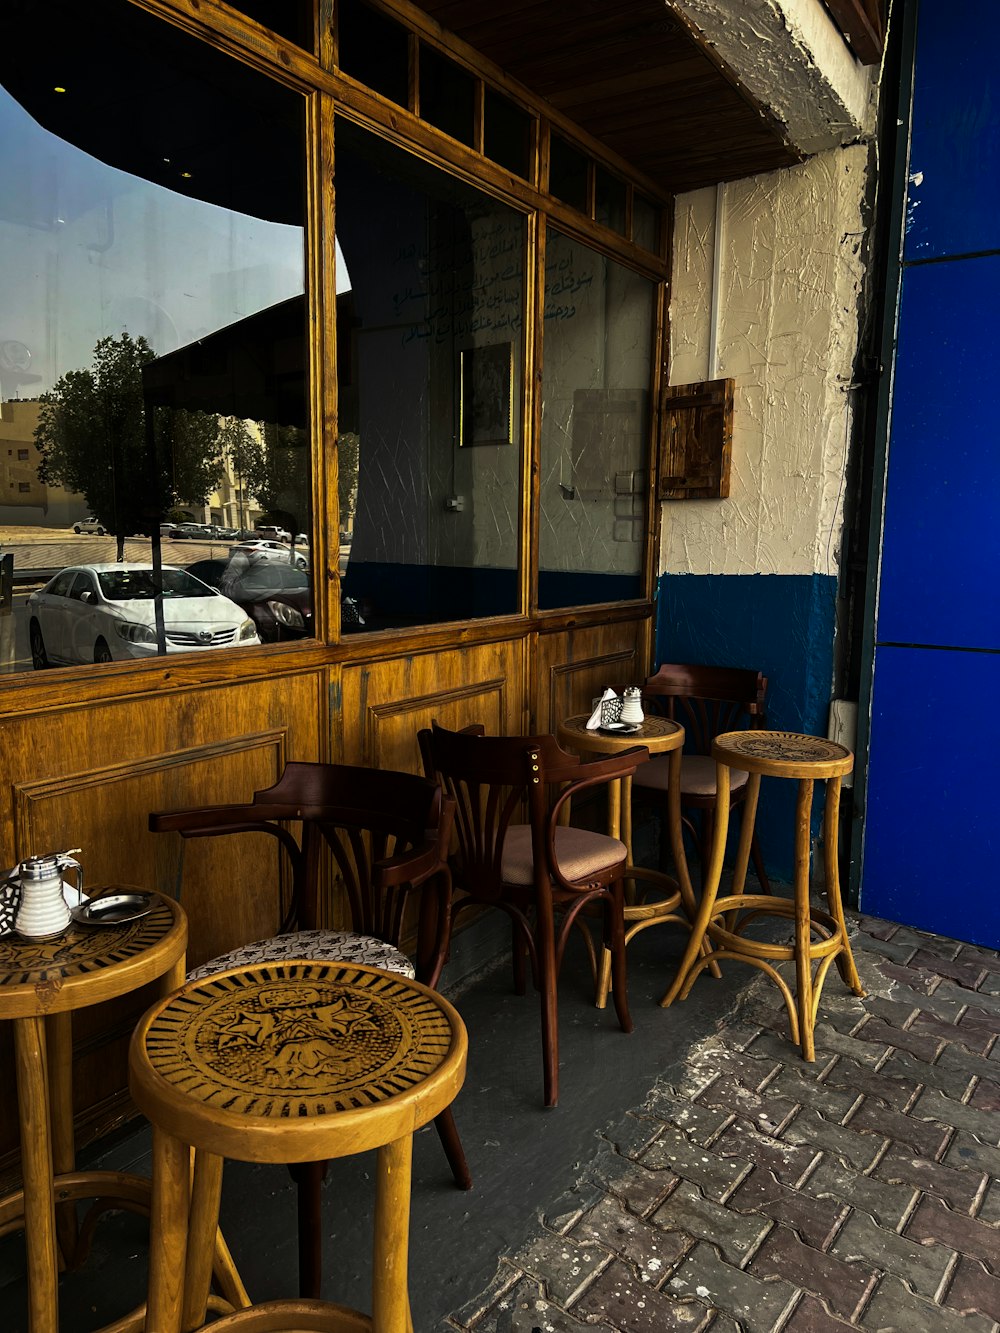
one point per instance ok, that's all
(706, 700)
(388, 834)
(513, 853)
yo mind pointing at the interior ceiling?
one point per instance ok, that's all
(630, 74)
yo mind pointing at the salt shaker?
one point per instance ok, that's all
(632, 714)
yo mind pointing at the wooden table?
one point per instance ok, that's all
(659, 735)
(288, 1062)
(40, 985)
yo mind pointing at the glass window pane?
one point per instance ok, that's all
(645, 223)
(374, 49)
(609, 200)
(599, 325)
(568, 173)
(507, 134)
(429, 340)
(154, 363)
(447, 95)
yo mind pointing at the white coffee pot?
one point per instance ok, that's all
(35, 890)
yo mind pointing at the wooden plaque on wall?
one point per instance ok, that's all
(696, 441)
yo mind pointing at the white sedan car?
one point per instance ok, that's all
(264, 549)
(107, 613)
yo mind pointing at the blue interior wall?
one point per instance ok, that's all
(781, 624)
(930, 824)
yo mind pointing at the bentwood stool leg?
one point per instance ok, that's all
(59, 1048)
(167, 1232)
(803, 920)
(831, 865)
(36, 1168)
(713, 875)
(390, 1296)
(206, 1193)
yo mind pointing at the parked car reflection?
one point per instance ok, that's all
(277, 597)
(107, 613)
(268, 549)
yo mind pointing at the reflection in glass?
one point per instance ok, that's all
(437, 269)
(152, 317)
(599, 326)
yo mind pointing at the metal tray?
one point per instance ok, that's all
(113, 909)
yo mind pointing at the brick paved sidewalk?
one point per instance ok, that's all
(764, 1194)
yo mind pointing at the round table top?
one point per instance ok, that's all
(297, 1060)
(783, 754)
(657, 734)
(90, 963)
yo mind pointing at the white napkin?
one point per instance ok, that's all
(594, 721)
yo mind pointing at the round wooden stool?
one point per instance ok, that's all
(820, 936)
(287, 1062)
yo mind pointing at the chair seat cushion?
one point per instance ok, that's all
(326, 946)
(580, 854)
(697, 775)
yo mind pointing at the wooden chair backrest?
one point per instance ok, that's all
(497, 781)
(364, 816)
(707, 700)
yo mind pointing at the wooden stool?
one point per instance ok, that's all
(820, 937)
(42, 983)
(287, 1062)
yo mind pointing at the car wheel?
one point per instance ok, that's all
(301, 563)
(102, 653)
(39, 657)
(76, 528)
(100, 532)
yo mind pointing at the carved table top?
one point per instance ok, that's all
(89, 963)
(783, 754)
(657, 734)
(296, 1046)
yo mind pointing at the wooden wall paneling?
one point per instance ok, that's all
(576, 665)
(88, 776)
(386, 703)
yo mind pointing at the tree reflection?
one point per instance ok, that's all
(94, 439)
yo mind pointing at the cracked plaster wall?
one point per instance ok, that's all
(788, 323)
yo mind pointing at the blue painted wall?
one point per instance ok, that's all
(780, 624)
(930, 822)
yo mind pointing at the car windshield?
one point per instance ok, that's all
(133, 585)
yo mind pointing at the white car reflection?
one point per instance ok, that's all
(255, 552)
(107, 613)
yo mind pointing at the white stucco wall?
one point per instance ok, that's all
(791, 276)
(791, 57)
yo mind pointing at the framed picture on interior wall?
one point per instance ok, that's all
(486, 395)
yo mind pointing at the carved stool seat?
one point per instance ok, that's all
(287, 1062)
(820, 937)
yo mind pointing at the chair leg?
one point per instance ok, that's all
(619, 977)
(309, 1177)
(545, 953)
(453, 1150)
